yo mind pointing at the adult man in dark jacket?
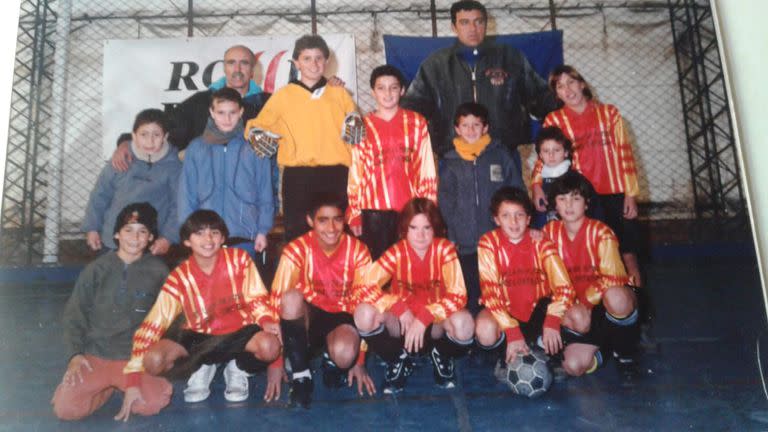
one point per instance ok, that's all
(476, 69)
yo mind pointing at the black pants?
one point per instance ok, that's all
(379, 230)
(471, 273)
(301, 185)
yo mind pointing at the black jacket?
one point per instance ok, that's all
(444, 81)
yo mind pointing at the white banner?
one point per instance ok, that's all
(146, 73)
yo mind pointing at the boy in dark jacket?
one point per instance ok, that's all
(469, 175)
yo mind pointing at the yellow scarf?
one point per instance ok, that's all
(470, 152)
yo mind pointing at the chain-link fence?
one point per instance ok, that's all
(623, 48)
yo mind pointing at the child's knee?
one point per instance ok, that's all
(486, 329)
(292, 305)
(619, 301)
(264, 346)
(462, 326)
(578, 319)
(574, 366)
(365, 318)
(154, 362)
(343, 347)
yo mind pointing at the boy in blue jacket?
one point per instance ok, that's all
(153, 178)
(222, 173)
(469, 176)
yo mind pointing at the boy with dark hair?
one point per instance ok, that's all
(222, 173)
(311, 125)
(392, 164)
(228, 317)
(313, 292)
(153, 178)
(470, 173)
(604, 318)
(525, 287)
(111, 297)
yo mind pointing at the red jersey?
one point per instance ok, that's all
(230, 298)
(393, 164)
(514, 277)
(432, 288)
(592, 258)
(326, 281)
(602, 151)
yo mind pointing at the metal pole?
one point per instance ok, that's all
(552, 15)
(53, 207)
(190, 19)
(433, 16)
(313, 11)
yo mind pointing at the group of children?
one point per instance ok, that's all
(421, 278)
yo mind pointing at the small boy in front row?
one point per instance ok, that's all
(314, 293)
(228, 317)
(110, 299)
(392, 164)
(525, 286)
(604, 319)
(470, 174)
(153, 177)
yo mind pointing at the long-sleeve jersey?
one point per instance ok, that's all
(326, 281)
(393, 164)
(309, 122)
(431, 288)
(231, 297)
(602, 151)
(592, 258)
(514, 277)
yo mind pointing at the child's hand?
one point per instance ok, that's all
(536, 235)
(121, 158)
(539, 199)
(357, 230)
(275, 378)
(553, 342)
(414, 337)
(94, 240)
(515, 348)
(406, 320)
(260, 243)
(160, 246)
(132, 395)
(335, 81)
(630, 207)
(364, 380)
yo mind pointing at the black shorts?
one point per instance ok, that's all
(213, 349)
(321, 324)
(597, 335)
(627, 230)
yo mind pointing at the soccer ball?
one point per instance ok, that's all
(527, 375)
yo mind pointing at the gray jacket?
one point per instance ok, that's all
(466, 189)
(444, 81)
(109, 302)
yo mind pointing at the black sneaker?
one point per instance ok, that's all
(397, 374)
(333, 377)
(301, 392)
(629, 371)
(443, 370)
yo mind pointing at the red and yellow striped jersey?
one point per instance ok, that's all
(592, 258)
(431, 288)
(230, 298)
(326, 281)
(393, 164)
(602, 151)
(514, 277)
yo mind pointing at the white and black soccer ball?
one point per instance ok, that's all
(527, 375)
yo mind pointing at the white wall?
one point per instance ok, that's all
(744, 42)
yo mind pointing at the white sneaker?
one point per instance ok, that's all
(237, 383)
(199, 384)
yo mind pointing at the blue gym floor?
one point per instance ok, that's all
(704, 375)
